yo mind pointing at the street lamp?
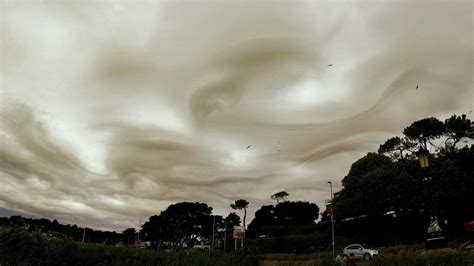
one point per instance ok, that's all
(423, 158)
(435, 237)
(332, 220)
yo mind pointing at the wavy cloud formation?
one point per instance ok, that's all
(112, 111)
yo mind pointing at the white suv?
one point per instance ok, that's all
(360, 252)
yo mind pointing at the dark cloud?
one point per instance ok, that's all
(112, 111)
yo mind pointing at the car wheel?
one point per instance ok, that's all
(367, 256)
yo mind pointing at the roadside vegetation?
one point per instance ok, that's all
(18, 247)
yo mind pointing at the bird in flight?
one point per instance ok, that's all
(249, 146)
(278, 150)
(330, 65)
(416, 87)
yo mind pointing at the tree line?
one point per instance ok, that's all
(187, 223)
(58, 230)
(392, 182)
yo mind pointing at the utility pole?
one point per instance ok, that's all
(83, 235)
(332, 221)
(213, 230)
(225, 234)
(138, 231)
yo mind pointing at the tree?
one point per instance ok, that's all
(188, 220)
(424, 131)
(181, 222)
(376, 186)
(296, 213)
(365, 189)
(232, 220)
(239, 205)
(452, 187)
(219, 226)
(265, 216)
(457, 128)
(154, 229)
(129, 236)
(396, 148)
(285, 213)
(280, 196)
(324, 217)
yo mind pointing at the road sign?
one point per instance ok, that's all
(239, 232)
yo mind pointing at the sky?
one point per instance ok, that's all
(112, 110)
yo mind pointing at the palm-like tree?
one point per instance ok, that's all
(239, 205)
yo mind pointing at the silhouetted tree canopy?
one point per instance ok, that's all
(182, 222)
(377, 186)
(265, 216)
(365, 187)
(296, 213)
(396, 148)
(424, 130)
(239, 205)
(458, 128)
(129, 236)
(280, 196)
(285, 213)
(58, 230)
(232, 220)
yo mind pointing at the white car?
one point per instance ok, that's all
(360, 252)
(201, 245)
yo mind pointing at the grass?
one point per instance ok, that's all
(439, 257)
(23, 248)
(322, 258)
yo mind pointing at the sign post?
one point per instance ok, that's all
(239, 233)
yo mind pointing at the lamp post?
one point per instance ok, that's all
(84, 235)
(332, 220)
(435, 237)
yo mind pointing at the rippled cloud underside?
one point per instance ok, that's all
(111, 111)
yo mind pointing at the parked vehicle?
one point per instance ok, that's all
(360, 252)
(202, 245)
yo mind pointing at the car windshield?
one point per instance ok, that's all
(353, 247)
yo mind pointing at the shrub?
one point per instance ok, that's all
(433, 258)
(23, 248)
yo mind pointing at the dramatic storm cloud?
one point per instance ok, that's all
(111, 111)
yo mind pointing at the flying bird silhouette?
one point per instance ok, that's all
(416, 87)
(330, 65)
(248, 146)
(278, 150)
